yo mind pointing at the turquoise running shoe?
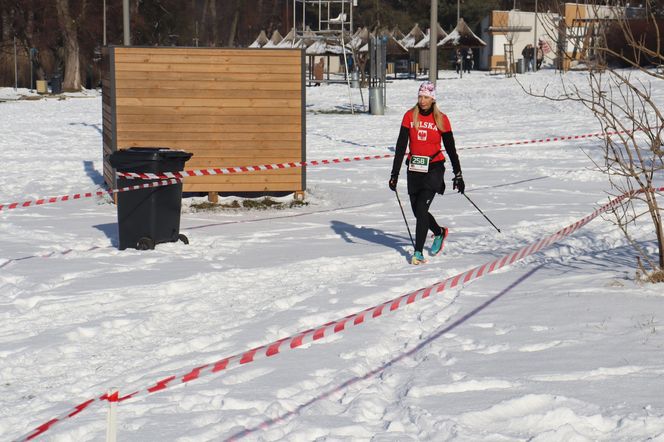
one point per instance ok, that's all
(418, 259)
(438, 242)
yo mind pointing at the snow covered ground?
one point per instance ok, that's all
(563, 345)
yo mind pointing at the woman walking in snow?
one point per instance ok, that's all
(422, 129)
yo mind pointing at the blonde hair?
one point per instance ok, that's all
(437, 116)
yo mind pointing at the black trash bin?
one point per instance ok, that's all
(56, 84)
(150, 216)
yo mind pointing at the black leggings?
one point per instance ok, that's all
(420, 203)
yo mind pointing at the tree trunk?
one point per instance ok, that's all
(236, 19)
(6, 25)
(215, 25)
(72, 77)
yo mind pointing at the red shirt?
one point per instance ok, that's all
(427, 139)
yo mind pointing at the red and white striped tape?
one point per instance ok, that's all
(333, 327)
(55, 199)
(243, 169)
(277, 166)
(546, 140)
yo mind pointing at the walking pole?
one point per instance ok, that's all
(479, 210)
(404, 219)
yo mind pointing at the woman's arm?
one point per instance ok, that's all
(400, 151)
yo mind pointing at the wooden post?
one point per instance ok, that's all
(213, 197)
(112, 418)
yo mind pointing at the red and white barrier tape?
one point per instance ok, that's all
(50, 254)
(333, 327)
(290, 165)
(243, 169)
(546, 140)
(277, 166)
(55, 199)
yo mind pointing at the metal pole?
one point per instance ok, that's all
(32, 81)
(458, 12)
(405, 220)
(104, 42)
(343, 46)
(536, 48)
(352, 3)
(125, 22)
(433, 40)
(480, 210)
(15, 67)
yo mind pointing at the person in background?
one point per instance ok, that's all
(468, 60)
(458, 61)
(319, 70)
(540, 54)
(528, 54)
(423, 127)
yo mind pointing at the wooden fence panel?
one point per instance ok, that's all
(229, 107)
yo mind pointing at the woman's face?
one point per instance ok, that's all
(425, 102)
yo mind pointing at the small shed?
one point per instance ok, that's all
(421, 48)
(229, 107)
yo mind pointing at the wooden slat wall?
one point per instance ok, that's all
(108, 115)
(229, 107)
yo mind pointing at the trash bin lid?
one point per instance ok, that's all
(151, 153)
(136, 158)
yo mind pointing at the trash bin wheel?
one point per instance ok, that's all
(145, 243)
(183, 238)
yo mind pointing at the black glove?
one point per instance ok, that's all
(457, 183)
(393, 183)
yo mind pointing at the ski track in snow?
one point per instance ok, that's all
(561, 346)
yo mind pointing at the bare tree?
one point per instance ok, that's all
(623, 68)
(234, 24)
(70, 25)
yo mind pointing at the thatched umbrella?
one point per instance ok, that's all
(274, 40)
(289, 40)
(413, 37)
(394, 47)
(359, 39)
(260, 41)
(424, 43)
(397, 34)
(461, 37)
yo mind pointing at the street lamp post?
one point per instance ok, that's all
(535, 46)
(104, 38)
(125, 22)
(15, 66)
(433, 40)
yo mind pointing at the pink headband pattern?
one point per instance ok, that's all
(427, 89)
